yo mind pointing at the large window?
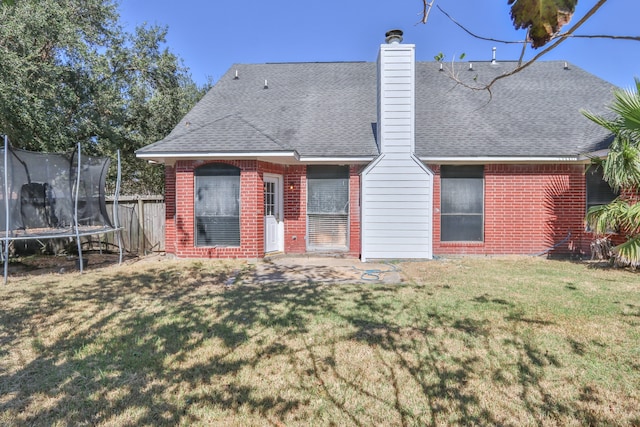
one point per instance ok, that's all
(598, 190)
(327, 207)
(461, 203)
(217, 205)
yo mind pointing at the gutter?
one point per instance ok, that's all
(496, 159)
(286, 157)
(333, 160)
(170, 158)
(292, 157)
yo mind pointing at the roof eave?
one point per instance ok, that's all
(361, 160)
(600, 154)
(170, 158)
(452, 160)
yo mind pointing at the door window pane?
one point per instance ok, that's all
(269, 198)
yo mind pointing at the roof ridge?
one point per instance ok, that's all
(173, 135)
(219, 119)
(263, 133)
(313, 62)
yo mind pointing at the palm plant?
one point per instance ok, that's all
(621, 169)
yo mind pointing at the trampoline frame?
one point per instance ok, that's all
(76, 231)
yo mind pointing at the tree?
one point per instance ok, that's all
(621, 169)
(70, 74)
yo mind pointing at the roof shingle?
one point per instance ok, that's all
(329, 110)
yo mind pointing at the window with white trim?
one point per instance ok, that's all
(217, 205)
(327, 207)
(461, 203)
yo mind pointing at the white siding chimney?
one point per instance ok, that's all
(396, 188)
(396, 92)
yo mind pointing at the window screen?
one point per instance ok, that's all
(217, 205)
(461, 203)
(598, 190)
(327, 207)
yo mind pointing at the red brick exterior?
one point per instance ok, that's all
(180, 222)
(528, 209)
(170, 209)
(295, 210)
(180, 226)
(354, 210)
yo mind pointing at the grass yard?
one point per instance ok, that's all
(513, 341)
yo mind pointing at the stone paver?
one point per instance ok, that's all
(322, 269)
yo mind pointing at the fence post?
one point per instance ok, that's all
(141, 232)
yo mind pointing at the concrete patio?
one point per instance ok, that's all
(321, 269)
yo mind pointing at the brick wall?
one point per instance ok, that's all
(528, 209)
(180, 240)
(180, 210)
(354, 210)
(295, 210)
(170, 209)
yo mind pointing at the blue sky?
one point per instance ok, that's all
(212, 35)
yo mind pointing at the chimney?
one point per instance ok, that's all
(393, 36)
(396, 92)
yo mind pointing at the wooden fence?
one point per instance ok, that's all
(143, 221)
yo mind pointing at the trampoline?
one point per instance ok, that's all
(54, 195)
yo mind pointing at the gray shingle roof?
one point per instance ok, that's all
(329, 110)
(535, 112)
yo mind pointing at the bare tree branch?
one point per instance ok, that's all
(526, 40)
(475, 35)
(426, 10)
(558, 40)
(604, 36)
(523, 51)
(561, 39)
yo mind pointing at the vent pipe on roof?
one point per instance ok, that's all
(393, 36)
(493, 55)
(566, 65)
(266, 85)
(236, 76)
(470, 66)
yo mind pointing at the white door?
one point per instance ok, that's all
(273, 224)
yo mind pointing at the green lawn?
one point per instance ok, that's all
(514, 341)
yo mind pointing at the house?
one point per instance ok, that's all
(383, 160)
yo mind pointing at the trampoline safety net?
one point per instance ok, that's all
(42, 192)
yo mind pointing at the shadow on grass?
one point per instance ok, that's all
(131, 339)
(122, 330)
